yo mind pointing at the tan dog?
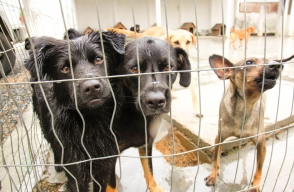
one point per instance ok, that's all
(240, 34)
(177, 38)
(232, 106)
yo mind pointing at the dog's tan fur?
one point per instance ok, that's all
(235, 103)
(177, 38)
(240, 34)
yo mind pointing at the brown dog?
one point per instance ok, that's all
(232, 106)
(178, 38)
(240, 34)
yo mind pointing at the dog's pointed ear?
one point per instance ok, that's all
(40, 58)
(216, 61)
(116, 40)
(183, 64)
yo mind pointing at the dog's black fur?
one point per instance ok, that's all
(42, 40)
(72, 34)
(155, 94)
(94, 101)
(38, 42)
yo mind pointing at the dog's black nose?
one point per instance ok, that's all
(90, 87)
(155, 100)
(275, 66)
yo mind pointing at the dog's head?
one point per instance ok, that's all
(181, 38)
(153, 56)
(255, 78)
(250, 30)
(87, 60)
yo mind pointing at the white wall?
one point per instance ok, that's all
(113, 11)
(44, 18)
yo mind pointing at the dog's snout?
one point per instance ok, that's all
(91, 87)
(275, 66)
(155, 100)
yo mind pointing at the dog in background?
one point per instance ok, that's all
(240, 34)
(232, 106)
(137, 28)
(155, 95)
(90, 136)
(177, 38)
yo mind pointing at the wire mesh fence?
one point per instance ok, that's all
(184, 147)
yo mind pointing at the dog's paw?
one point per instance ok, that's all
(58, 168)
(210, 180)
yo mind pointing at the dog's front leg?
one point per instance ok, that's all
(261, 151)
(241, 42)
(148, 170)
(112, 186)
(210, 180)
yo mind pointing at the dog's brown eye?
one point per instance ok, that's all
(188, 42)
(134, 69)
(176, 42)
(98, 60)
(168, 68)
(65, 69)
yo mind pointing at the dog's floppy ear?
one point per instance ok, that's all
(116, 40)
(72, 34)
(40, 57)
(216, 61)
(193, 40)
(184, 64)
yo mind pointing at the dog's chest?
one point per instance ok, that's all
(240, 117)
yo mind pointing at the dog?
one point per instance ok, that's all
(154, 96)
(63, 125)
(240, 34)
(137, 28)
(177, 38)
(231, 110)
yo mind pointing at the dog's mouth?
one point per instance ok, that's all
(95, 102)
(268, 82)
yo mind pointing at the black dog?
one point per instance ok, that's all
(90, 136)
(155, 94)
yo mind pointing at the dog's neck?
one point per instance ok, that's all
(236, 102)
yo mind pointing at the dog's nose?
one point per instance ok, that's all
(90, 87)
(155, 100)
(275, 65)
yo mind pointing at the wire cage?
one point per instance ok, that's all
(184, 146)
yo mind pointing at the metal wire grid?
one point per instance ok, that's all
(26, 148)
